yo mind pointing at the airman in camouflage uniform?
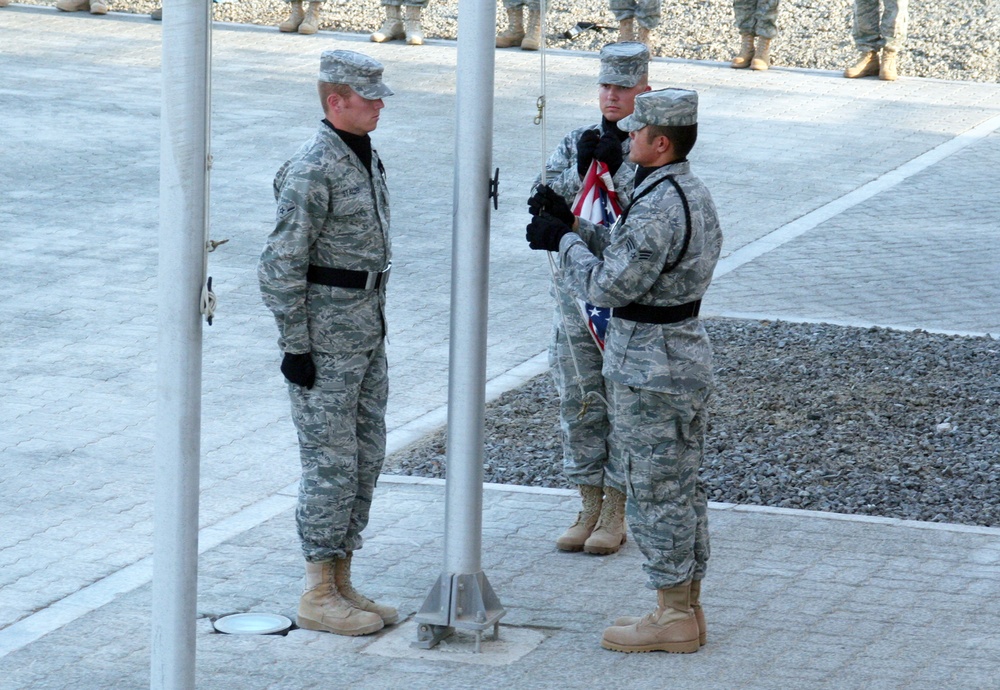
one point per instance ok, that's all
(574, 358)
(322, 273)
(653, 267)
(756, 19)
(645, 13)
(516, 34)
(876, 31)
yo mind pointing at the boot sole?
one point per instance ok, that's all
(604, 550)
(309, 624)
(670, 647)
(570, 548)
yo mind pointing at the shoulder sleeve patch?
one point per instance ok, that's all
(284, 210)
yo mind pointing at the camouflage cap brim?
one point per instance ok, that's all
(373, 92)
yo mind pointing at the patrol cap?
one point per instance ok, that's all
(665, 107)
(623, 64)
(357, 70)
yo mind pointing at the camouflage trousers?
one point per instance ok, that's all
(341, 429)
(586, 457)
(662, 442)
(886, 29)
(646, 12)
(407, 3)
(530, 5)
(756, 17)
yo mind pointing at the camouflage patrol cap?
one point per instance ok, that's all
(623, 64)
(357, 70)
(666, 108)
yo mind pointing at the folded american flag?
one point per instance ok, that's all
(598, 203)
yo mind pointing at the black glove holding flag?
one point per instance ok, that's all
(545, 231)
(585, 150)
(546, 200)
(299, 369)
(609, 151)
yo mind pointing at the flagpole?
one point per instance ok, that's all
(462, 596)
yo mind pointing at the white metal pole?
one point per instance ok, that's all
(469, 286)
(184, 163)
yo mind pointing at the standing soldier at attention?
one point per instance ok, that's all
(323, 274)
(756, 19)
(878, 30)
(402, 20)
(516, 34)
(303, 21)
(574, 357)
(653, 267)
(636, 18)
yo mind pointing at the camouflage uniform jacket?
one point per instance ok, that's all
(333, 213)
(614, 267)
(563, 177)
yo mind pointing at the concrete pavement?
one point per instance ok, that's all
(857, 202)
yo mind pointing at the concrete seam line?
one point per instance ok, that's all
(798, 227)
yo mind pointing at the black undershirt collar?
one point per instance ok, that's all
(612, 127)
(360, 144)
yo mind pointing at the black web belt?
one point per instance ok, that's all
(344, 278)
(647, 313)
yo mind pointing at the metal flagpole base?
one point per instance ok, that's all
(464, 601)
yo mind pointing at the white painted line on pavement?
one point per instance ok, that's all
(798, 227)
(906, 328)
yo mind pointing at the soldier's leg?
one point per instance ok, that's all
(326, 420)
(866, 25)
(575, 362)
(744, 12)
(647, 14)
(372, 397)
(766, 18)
(662, 437)
(892, 28)
(622, 9)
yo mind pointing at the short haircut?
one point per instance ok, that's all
(326, 88)
(682, 137)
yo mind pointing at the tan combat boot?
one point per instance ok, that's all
(626, 30)
(4, 3)
(642, 35)
(310, 22)
(670, 628)
(342, 579)
(866, 66)
(514, 33)
(699, 614)
(574, 538)
(533, 32)
(609, 534)
(291, 24)
(73, 5)
(411, 26)
(888, 70)
(761, 54)
(742, 60)
(98, 7)
(392, 27)
(322, 607)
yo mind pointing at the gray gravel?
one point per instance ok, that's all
(949, 40)
(808, 416)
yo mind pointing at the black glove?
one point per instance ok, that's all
(585, 150)
(299, 369)
(546, 200)
(545, 231)
(609, 152)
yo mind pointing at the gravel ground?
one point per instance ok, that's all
(809, 416)
(949, 40)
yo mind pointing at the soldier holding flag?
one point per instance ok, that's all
(589, 169)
